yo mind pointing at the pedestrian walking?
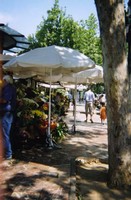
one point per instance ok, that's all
(89, 98)
(103, 112)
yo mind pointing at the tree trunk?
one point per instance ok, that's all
(112, 29)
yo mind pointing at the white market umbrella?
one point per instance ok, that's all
(94, 75)
(48, 61)
(53, 86)
(59, 60)
(47, 79)
(5, 57)
(81, 87)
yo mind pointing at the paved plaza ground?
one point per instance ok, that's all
(77, 171)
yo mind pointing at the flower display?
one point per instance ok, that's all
(31, 123)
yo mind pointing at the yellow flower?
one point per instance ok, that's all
(39, 114)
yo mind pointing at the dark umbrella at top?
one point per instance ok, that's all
(9, 39)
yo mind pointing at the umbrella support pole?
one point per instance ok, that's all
(73, 129)
(75, 96)
(50, 143)
(48, 135)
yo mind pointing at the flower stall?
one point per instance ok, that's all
(31, 117)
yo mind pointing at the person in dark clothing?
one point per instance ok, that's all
(7, 107)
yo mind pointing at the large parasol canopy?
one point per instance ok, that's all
(94, 75)
(59, 60)
(49, 61)
(5, 57)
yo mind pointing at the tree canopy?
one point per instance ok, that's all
(61, 30)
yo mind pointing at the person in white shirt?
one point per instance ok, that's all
(102, 99)
(89, 98)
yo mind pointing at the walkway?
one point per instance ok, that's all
(75, 172)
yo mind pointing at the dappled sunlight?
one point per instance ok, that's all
(82, 162)
(38, 172)
(31, 178)
(92, 183)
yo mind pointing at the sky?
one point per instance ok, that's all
(25, 15)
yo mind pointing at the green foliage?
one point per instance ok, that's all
(59, 29)
(99, 88)
(49, 30)
(60, 132)
(33, 41)
(91, 43)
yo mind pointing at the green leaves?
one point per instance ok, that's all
(59, 29)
